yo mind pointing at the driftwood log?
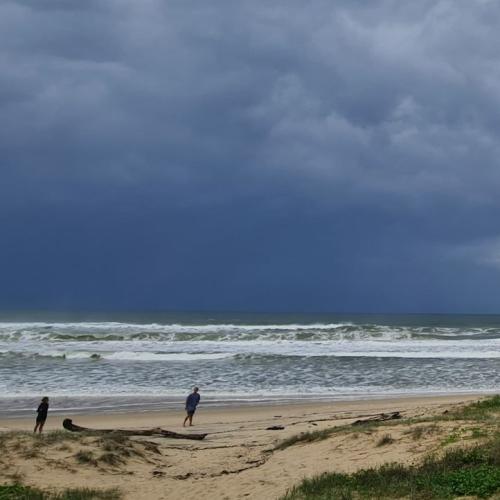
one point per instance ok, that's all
(378, 418)
(70, 426)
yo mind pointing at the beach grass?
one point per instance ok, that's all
(420, 431)
(39, 440)
(307, 437)
(20, 492)
(473, 472)
(52, 437)
(111, 458)
(480, 411)
(385, 440)
(85, 457)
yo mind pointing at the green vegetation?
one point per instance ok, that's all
(57, 436)
(85, 457)
(307, 437)
(451, 438)
(473, 471)
(480, 411)
(119, 447)
(32, 452)
(465, 433)
(6, 437)
(458, 472)
(419, 432)
(38, 440)
(19, 492)
(111, 459)
(385, 440)
(477, 433)
(117, 443)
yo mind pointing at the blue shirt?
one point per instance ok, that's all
(192, 401)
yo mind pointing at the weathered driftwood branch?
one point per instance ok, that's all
(378, 418)
(70, 426)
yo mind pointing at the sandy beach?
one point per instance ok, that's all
(239, 457)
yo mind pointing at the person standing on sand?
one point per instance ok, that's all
(191, 403)
(41, 417)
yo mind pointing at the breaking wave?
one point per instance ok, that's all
(119, 356)
(116, 332)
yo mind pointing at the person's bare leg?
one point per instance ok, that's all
(36, 427)
(185, 420)
(190, 420)
(40, 429)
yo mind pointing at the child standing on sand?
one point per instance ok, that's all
(42, 411)
(191, 403)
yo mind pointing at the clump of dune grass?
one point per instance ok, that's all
(53, 437)
(473, 472)
(16, 477)
(85, 457)
(115, 448)
(306, 437)
(416, 433)
(20, 492)
(15, 439)
(151, 447)
(63, 447)
(31, 452)
(123, 447)
(114, 442)
(420, 431)
(87, 494)
(111, 459)
(385, 440)
(478, 433)
(480, 410)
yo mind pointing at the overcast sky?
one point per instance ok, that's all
(250, 155)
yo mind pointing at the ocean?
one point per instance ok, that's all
(150, 361)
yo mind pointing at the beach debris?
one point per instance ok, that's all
(157, 431)
(378, 418)
(185, 476)
(275, 428)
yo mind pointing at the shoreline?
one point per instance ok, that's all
(18, 407)
(208, 414)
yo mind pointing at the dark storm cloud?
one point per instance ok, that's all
(250, 154)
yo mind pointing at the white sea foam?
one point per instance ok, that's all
(154, 356)
(112, 358)
(216, 350)
(231, 332)
(123, 355)
(118, 341)
(116, 326)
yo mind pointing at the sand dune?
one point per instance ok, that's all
(239, 458)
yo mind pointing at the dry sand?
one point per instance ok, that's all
(236, 460)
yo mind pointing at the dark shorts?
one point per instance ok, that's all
(40, 420)
(190, 412)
